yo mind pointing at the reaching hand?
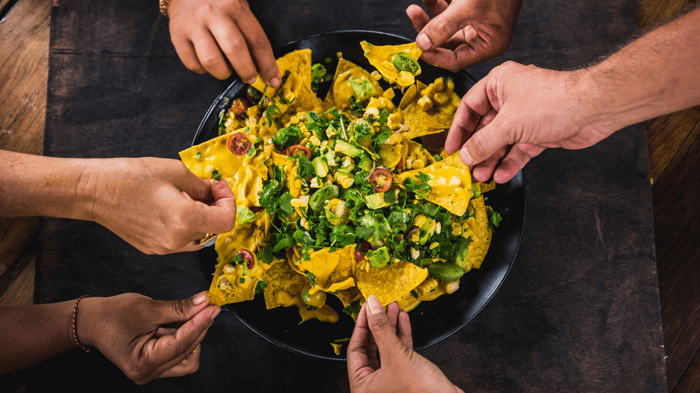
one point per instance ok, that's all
(516, 111)
(126, 329)
(215, 35)
(381, 356)
(156, 204)
(464, 32)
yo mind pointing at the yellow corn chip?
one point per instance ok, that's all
(390, 282)
(383, 59)
(281, 277)
(450, 183)
(232, 283)
(479, 230)
(244, 174)
(298, 62)
(341, 90)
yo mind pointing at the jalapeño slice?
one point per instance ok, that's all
(404, 62)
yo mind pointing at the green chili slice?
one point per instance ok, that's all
(404, 62)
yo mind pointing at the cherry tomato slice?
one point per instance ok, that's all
(253, 95)
(296, 150)
(239, 106)
(248, 258)
(360, 252)
(380, 179)
(238, 143)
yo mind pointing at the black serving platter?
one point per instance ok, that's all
(431, 322)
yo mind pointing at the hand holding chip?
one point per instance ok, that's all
(516, 111)
(221, 36)
(464, 32)
(156, 204)
(381, 356)
(125, 329)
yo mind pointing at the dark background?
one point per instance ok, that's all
(578, 312)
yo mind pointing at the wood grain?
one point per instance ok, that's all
(674, 141)
(24, 49)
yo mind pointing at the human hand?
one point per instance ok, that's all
(127, 330)
(516, 111)
(464, 32)
(156, 204)
(215, 35)
(381, 356)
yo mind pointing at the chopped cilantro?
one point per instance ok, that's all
(353, 308)
(260, 287)
(494, 216)
(312, 278)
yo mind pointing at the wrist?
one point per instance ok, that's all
(87, 322)
(593, 104)
(89, 190)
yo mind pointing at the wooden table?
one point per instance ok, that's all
(674, 143)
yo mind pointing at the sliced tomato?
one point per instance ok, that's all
(360, 252)
(248, 258)
(253, 95)
(238, 143)
(296, 150)
(380, 179)
(239, 106)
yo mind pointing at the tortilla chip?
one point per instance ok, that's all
(341, 90)
(245, 174)
(381, 58)
(479, 230)
(485, 187)
(347, 296)
(390, 282)
(413, 115)
(299, 94)
(298, 62)
(450, 183)
(332, 271)
(243, 237)
(226, 287)
(281, 276)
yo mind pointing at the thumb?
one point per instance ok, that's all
(485, 142)
(382, 330)
(442, 27)
(181, 310)
(221, 216)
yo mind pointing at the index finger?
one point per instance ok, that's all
(464, 123)
(169, 350)
(260, 48)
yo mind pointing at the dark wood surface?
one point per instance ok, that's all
(674, 158)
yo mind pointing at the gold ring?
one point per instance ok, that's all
(207, 240)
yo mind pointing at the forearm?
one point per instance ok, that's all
(656, 74)
(33, 334)
(32, 185)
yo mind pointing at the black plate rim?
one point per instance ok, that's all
(518, 181)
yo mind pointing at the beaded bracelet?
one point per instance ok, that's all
(164, 7)
(75, 317)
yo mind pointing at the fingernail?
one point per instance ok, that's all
(251, 80)
(423, 41)
(466, 157)
(275, 82)
(374, 306)
(200, 298)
